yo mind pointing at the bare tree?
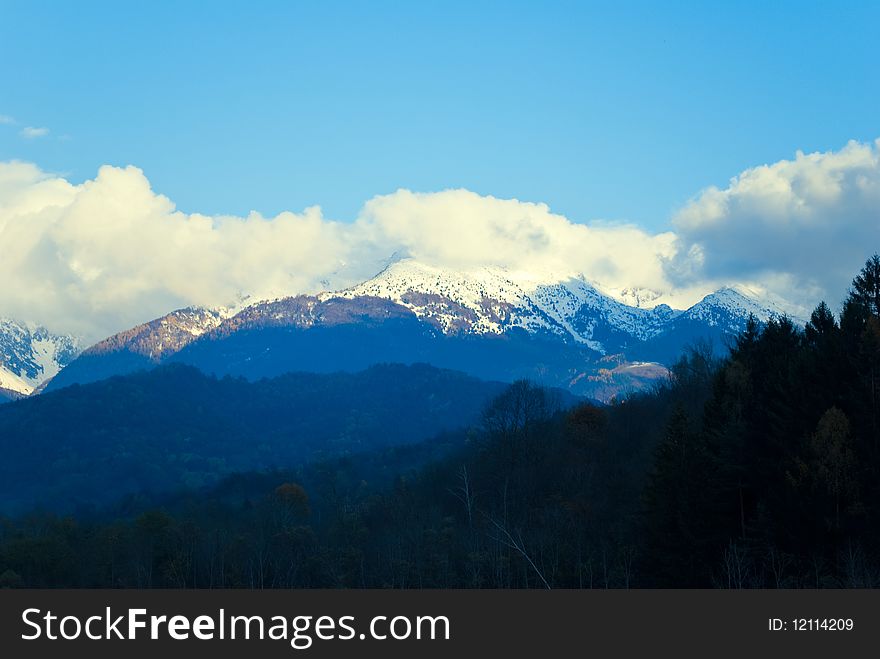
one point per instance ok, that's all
(517, 544)
(464, 494)
(735, 566)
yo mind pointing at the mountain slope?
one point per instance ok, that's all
(139, 348)
(174, 427)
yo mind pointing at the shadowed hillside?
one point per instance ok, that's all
(174, 427)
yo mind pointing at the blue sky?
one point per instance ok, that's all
(553, 139)
(612, 111)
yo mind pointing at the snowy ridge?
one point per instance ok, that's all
(480, 301)
(164, 335)
(729, 307)
(30, 355)
(190, 322)
(492, 300)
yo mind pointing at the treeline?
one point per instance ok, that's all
(777, 481)
(760, 468)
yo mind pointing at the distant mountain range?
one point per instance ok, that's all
(488, 322)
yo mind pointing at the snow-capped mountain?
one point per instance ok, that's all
(561, 329)
(729, 307)
(494, 300)
(30, 355)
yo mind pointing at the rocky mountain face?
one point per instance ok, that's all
(488, 322)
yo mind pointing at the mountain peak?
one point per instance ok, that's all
(476, 300)
(743, 301)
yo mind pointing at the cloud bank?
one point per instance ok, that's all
(109, 253)
(799, 227)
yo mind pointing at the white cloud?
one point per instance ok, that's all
(109, 253)
(799, 227)
(6, 119)
(30, 132)
(462, 228)
(104, 255)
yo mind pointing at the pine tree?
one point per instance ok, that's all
(866, 286)
(822, 325)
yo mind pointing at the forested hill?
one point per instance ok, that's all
(176, 427)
